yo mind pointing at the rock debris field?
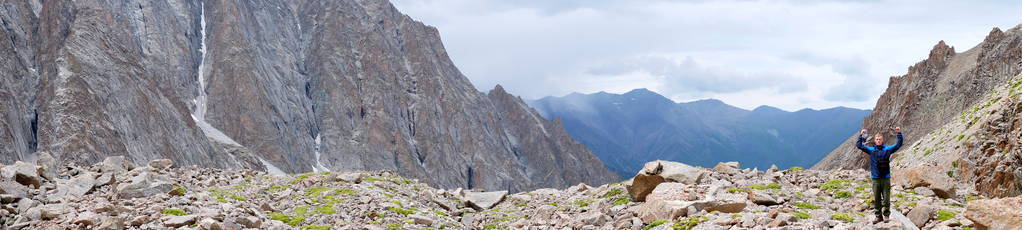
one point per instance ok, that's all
(115, 194)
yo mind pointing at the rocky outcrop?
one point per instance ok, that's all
(1004, 213)
(280, 86)
(930, 177)
(656, 172)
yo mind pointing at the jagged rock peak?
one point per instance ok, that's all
(498, 89)
(995, 35)
(941, 51)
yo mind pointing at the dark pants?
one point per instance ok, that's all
(882, 196)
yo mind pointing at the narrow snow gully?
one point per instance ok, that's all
(199, 111)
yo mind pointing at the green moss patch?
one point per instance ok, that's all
(842, 217)
(174, 211)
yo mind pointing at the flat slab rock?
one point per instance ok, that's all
(484, 200)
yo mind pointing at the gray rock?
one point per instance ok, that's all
(23, 173)
(48, 164)
(111, 223)
(52, 211)
(761, 197)
(161, 164)
(178, 221)
(484, 200)
(669, 191)
(924, 191)
(900, 220)
(75, 187)
(729, 168)
(114, 165)
(420, 219)
(662, 209)
(13, 188)
(87, 218)
(25, 204)
(921, 214)
(209, 224)
(144, 185)
(249, 222)
(348, 177)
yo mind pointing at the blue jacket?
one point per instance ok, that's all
(879, 156)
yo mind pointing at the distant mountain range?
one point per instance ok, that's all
(626, 130)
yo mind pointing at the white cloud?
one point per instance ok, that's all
(788, 54)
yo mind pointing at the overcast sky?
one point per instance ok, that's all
(787, 54)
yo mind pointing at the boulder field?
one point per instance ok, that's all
(116, 194)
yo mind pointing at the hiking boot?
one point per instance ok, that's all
(878, 219)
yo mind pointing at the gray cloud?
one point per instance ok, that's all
(857, 85)
(790, 54)
(690, 77)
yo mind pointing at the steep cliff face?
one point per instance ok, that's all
(936, 90)
(295, 86)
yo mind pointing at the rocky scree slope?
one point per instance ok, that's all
(283, 86)
(116, 194)
(977, 150)
(935, 91)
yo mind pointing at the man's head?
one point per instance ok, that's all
(878, 140)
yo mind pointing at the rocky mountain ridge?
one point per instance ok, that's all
(279, 86)
(117, 194)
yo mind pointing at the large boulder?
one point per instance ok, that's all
(114, 165)
(932, 177)
(75, 187)
(656, 172)
(921, 214)
(663, 210)
(48, 164)
(13, 188)
(144, 185)
(23, 173)
(729, 168)
(1003, 213)
(899, 221)
(484, 200)
(761, 197)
